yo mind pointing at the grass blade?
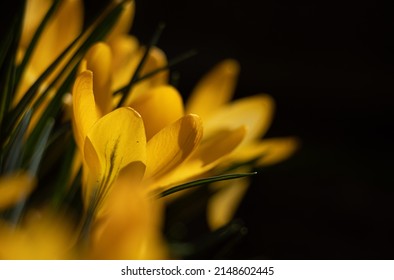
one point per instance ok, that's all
(204, 181)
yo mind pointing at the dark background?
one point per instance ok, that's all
(329, 66)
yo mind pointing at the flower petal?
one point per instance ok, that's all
(14, 188)
(214, 90)
(40, 236)
(156, 59)
(277, 150)
(172, 145)
(254, 112)
(84, 107)
(98, 60)
(210, 153)
(115, 141)
(159, 107)
(131, 227)
(224, 203)
(125, 51)
(267, 151)
(124, 22)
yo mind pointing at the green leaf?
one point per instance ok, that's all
(40, 148)
(33, 168)
(63, 176)
(14, 148)
(204, 181)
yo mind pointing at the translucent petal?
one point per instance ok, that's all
(84, 107)
(267, 151)
(99, 60)
(254, 112)
(159, 107)
(131, 226)
(215, 89)
(156, 59)
(224, 203)
(35, 12)
(277, 150)
(172, 145)
(124, 22)
(210, 153)
(63, 28)
(115, 141)
(126, 54)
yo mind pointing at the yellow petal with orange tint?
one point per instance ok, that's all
(254, 112)
(156, 59)
(35, 12)
(225, 201)
(124, 22)
(131, 226)
(126, 55)
(267, 151)
(99, 60)
(14, 188)
(277, 150)
(210, 153)
(84, 107)
(214, 90)
(115, 141)
(159, 107)
(64, 26)
(172, 145)
(41, 236)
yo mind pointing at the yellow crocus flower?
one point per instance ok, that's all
(114, 147)
(111, 142)
(211, 99)
(159, 106)
(40, 236)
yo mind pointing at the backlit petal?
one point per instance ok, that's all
(210, 153)
(63, 28)
(267, 151)
(159, 107)
(126, 54)
(156, 59)
(99, 60)
(35, 12)
(131, 227)
(254, 112)
(115, 140)
(124, 22)
(84, 107)
(214, 90)
(277, 150)
(224, 203)
(172, 145)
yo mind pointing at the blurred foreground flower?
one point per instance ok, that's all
(96, 144)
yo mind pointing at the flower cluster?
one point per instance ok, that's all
(95, 142)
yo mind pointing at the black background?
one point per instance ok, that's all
(329, 66)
